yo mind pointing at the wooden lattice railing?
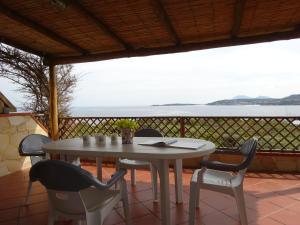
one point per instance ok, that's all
(274, 133)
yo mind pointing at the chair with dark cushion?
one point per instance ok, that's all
(74, 193)
(31, 146)
(223, 177)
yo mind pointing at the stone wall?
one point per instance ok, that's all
(13, 128)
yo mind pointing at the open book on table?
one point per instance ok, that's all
(173, 143)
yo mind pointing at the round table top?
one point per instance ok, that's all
(75, 146)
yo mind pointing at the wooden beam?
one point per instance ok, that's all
(238, 17)
(39, 28)
(182, 48)
(20, 46)
(99, 23)
(158, 5)
(53, 103)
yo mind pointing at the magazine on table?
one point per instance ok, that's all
(173, 143)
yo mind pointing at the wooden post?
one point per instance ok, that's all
(182, 127)
(53, 103)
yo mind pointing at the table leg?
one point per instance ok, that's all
(178, 180)
(163, 171)
(99, 168)
(153, 171)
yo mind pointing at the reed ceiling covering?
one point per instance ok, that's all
(73, 31)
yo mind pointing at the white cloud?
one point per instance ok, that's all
(269, 69)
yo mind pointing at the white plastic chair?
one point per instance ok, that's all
(222, 177)
(75, 194)
(139, 164)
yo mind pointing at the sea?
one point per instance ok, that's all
(187, 110)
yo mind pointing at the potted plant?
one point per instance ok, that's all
(127, 127)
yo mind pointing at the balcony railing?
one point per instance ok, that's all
(275, 134)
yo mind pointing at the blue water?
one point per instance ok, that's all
(195, 110)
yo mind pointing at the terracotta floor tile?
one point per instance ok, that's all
(281, 200)
(37, 198)
(252, 215)
(218, 218)
(266, 221)
(10, 222)
(202, 211)
(146, 220)
(292, 192)
(154, 207)
(178, 214)
(264, 189)
(9, 214)
(40, 219)
(113, 218)
(271, 199)
(34, 209)
(286, 217)
(136, 210)
(143, 195)
(265, 208)
(131, 200)
(140, 186)
(11, 203)
(219, 201)
(295, 207)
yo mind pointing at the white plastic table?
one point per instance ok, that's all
(158, 156)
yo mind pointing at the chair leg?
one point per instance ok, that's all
(240, 201)
(28, 193)
(117, 164)
(197, 196)
(125, 202)
(153, 171)
(92, 218)
(51, 215)
(133, 177)
(192, 202)
(99, 168)
(50, 220)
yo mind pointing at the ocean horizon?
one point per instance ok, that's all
(186, 110)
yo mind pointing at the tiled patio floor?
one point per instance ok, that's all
(271, 199)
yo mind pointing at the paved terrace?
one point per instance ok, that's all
(271, 199)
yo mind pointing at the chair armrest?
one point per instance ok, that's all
(216, 165)
(115, 178)
(36, 153)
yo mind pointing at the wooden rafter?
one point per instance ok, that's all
(100, 23)
(181, 48)
(238, 16)
(39, 28)
(166, 20)
(20, 46)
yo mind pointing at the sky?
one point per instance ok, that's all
(199, 77)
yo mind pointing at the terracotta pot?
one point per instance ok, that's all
(127, 136)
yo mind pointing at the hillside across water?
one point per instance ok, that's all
(290, 100)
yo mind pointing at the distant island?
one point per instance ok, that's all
(261, 100)
(176, 104)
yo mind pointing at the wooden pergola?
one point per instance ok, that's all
(75, 31)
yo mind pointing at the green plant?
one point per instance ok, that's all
(127, 123)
